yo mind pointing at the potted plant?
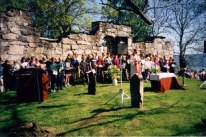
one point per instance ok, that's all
(114, 72)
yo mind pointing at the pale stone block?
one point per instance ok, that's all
(83, 43)
(74, 36)
(15, 31)
(91, 39)
(29, 50)
(4, 44)
(123, 34)
(11, 57)
(16, 50)
(33, 45)
(11, 24)
(18, 43)
(88, 51)
(4, 30)
(65, 46)
(75, 47)
(31, 39)
(10, 36)
(39, 50)
(58, 51)
(68, 41)
(83, 37)
(26, 32)
(54, 45)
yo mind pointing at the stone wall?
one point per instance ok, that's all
(18, 38)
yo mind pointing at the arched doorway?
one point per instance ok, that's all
(109, 43)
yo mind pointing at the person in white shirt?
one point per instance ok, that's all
(24, 63)
(147, 66)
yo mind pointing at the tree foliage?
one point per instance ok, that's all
(61, 17)
(118, 11)
(55, 18)
(22, 4)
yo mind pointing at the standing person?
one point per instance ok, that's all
(53, 74)
(68, 59)
(68, 70)
(93, 60)
(1, 76)
(147, 66)
(172, 65)
(165, 64)
(7, 75)
(43, 64)
(143, 67)
(14, 75)
(61, 72)
(99, 70)
(24, 63)
(89, 61)
(107, 61)
(32, 62)
(128, 66)
(92, 81)
(135, 63)
(161, 64)
(75, 68)
(116, 61)
(83, 69)
(124, 72)
(183, 67)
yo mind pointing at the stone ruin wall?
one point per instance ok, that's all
(18, 38)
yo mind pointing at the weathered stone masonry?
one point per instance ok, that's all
(18, 38)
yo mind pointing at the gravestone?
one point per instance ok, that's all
(136, 91)
(91, 83)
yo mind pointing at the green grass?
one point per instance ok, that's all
(71, 112)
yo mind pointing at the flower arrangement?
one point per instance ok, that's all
(114, 71)
(155, 69)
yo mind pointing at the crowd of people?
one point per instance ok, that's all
(194, 74)
(73, 69)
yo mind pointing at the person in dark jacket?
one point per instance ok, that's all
(1, 76)
(61, 72)
(7, 75)
(84, 67)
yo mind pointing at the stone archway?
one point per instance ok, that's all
(109, 43)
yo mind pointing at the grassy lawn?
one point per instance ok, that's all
(71, 112)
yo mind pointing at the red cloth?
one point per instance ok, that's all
(165, 84)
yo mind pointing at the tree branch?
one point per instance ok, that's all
(136, 10)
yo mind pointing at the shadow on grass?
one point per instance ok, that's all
(91, 121)
(201, 128)
(81, 94)
(53, 106)
(149, 89)
(198, 129)
(102, 117)
(10, 104)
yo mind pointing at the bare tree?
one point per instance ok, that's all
(186, 24)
